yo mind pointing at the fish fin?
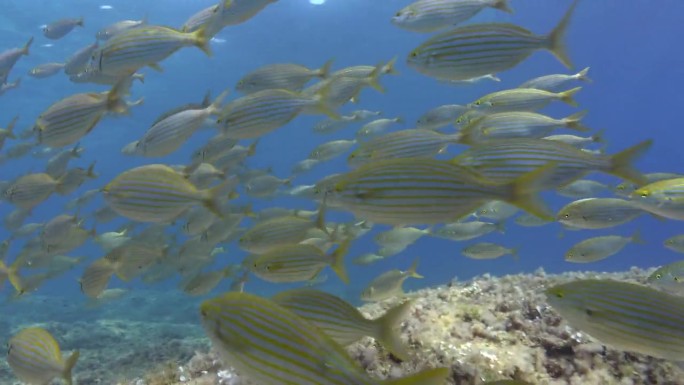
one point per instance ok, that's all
(206, 101)
(25, 50)
(201, 39)
(637, 239)
(374, 77)
(574, 121)
(501, 227)
(526, 189)
(387, 330)
(436, 376)
(568, 96)
(322, 106)
(337, 263)
(598, 137)
(80, 22)
(115, 101)
(90, 172)
(389, 68)
(215, 106)
(502, 5)
(515, 253)
(411, 272)
(212, 198)
(156, 67)
(556, 39)
(621, 163)
(582, 75)
(69, 366)
(10, 127)
(13, 275)
(324, 71)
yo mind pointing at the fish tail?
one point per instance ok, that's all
(90, 173)
(568, 96)
(387, 330)
(69, 366)
(337, 263)
(525, 191)
(212, 199)
(502, 5)
(115, 101)
(10, 127)
(201, 39)
(374, 78)
(13, 275)
(323, 105)
(598, 137)
(501, 227)
(582, 75)
(636, 238)
(80, 22)
(573, 121)
(621, 163)
(389, 68)
(515, 253)
(411, 272)
(324, 71)
(436, 376)
(25, 50)
(216, 105)
(556, 39)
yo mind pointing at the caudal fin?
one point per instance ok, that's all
(337, 260)
(525, 191)
(574, 121)
(556, 39)
(25, 50)
(387, 333)
(502, 5)
(583, 75)
(436, 376)
(621, 163)
(69, 366)
(411, 272)
(213, 198)
(202, 37)
(568, 96)
(324, 71)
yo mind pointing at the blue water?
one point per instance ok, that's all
(631, 47)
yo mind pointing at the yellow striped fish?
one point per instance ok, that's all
(157, 193)
(625, 316)
(291, 77)
(521, 99)
(415, 191)
(35, 357)
(364, 71)
(490, 48)
(71, 118)
(277, 232)
(343, 322)
(598, 213)
(555, 83)
(432, 15)
(96, 277)
(30, 190)
(271, 345)
(664, 198)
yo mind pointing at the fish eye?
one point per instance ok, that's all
(644, 195)
(560, 294)
(566, 216)
(398, 14)
(414, 54)
(588, 312)
(658, 276)
(676, 279)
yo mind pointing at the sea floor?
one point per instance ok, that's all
(485, 329)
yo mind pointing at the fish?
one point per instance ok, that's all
(415, 191)
(375, 128)
(366, 71)
(248, 331)
(96, 277)
(343, 322)
(9, 58)
(113, 239)
(367, 259)
(203, 283)
(79, 60)
(400, 236)
(205, 174)
(57, 164)
(329, 126)
(664, 198)
(675, 243)
(34, 356)
(625, 316)
(276, 232)
(304, 166)
(297, 263)
(501, 160)
(157, 193)
(488, 250)
(9, 86)
(46, 70)
(330, 150)
(488, 48)
(107, 32)
(522, 100)
(598, 248)
(669, 277)
(291, 77)
(583, 188)
(433, 15)
(441, 116)
(8, 131)
(625, 188)
(93, 75)
(558, 82)
(463, 231)
(578, 141)
(389, 284)
(598, 213)
(528, 220)
(30, 190)
(496, 210)
(60, 28)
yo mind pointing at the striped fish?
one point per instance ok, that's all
(203, 283)
(415, 191)
(30, 190)
(365, 71)
(339, 90)
(168, 134)
(213, 150)
(144, 46)
(45, 70)
(291, 77)
(375, 128)
(156, 193)
(490, 48)
(598, 248)
(271, 345)
(93, 75)
(233, 12)
(277, 232)
(298, 263)
(626, 188)
(57, 165)
(664, 198)
(78, 62)
(598, 213)
(556, 83)
(504, 160)
(96, 277)
(262, 112)
(9, 58)
(433, 15)
(8, 132)
(412, 143)
(67, 121)
(625, 316)
(343, 322)
(577, 141)
(331, 150)
(521, 99)
(35, 357)
(440, 116)
(517, 124)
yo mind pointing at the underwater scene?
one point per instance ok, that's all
(338, 192)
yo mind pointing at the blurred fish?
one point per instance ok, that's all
(35, 357)
(114, 29)
(82, 200)
(156, 193)
(249, 331)
(389, 284)
(529, 220)
(16, 218)
(93, 75)
(330, 150)
(367, 259)
(375, 128)
(522, 100)
(30, 190)
(577, 141)
(664, 198)
(60, 28)
(675, 243)
(19, 150)
(9, 58)
(46, 70)
(217, 147)
(458, 54)
(463, 231)
(329, 126)
(400, 236)
(304, 166)
(626, 188)
(278, 232)
(669, 277)
(365, 71)
(598, 213)
(624, 316)
(74, 178)
(4, 87)
(276, 212)
(8, 132)
(441, 116)
(291, 77)
(203, 283)
(78, 62)
(583, 188)
(476, 79)
(598, 248)
(343, 322)
(339, 90)
(488, 250)
(433, 15)
(96, 277)
(497, 211)
(205, 174)
(26, 230)
(57, 164)
(111, 240)
(556, 83)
